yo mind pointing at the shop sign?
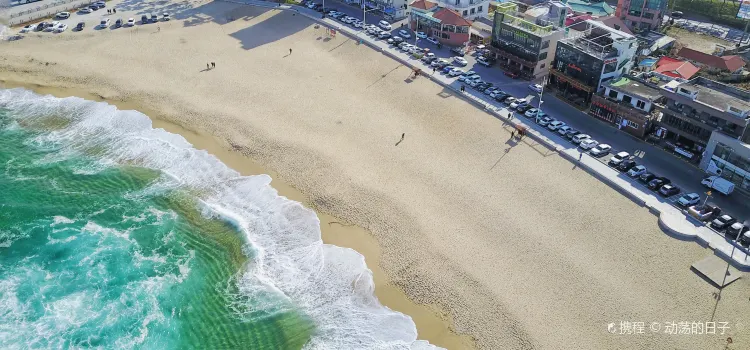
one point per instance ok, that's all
(683, 152)
(573, 66)
(611, 60)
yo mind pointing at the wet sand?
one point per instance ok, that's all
(518, 247)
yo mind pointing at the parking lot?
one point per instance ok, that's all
(96, 16)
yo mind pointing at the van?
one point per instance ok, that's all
(717, 183)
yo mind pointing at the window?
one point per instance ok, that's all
(479, 9)
(626, 99)
(545, 45)
(543, 56)
(471, 2)
(613, 93)
(466, 12)
(648, 15)
(633, 125)
(542, 66)
(458, 2)
(640, 104)
(472, 11)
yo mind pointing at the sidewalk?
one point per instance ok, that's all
(671, 220)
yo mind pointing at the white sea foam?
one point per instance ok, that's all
(330, 284)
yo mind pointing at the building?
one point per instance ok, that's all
(469, 9)
(640, 15)
(730, 64)
(594, 8)
(696, 109)
(675, 68)
(584, 60)
(650, 42)
(481, 31)
(525, 43)
(628, 103)
(729, 158)
(443, 24)
(389, 9)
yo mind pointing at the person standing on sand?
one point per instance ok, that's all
(290, 51)
(208, 66)
(158, 28)
(580, 155)
(213, 64)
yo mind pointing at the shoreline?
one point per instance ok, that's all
(432, 323)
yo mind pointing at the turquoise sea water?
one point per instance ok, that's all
(117, 235)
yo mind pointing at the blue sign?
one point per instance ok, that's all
(389, 10)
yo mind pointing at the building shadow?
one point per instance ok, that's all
(278, 26)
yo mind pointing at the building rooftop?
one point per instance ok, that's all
(423, 4)
(676, 68)
(634, 87)
(450, 17)
(717, 95)
(597, 39)
(616, 23)
(730, 63)
(593, 8)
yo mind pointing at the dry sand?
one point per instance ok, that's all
(517, 246)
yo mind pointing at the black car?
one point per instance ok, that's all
(459, 51)
(722, 222)
(144, 19)
(658, 182)
(80, 26)
(669, 190)
(481, 86)
(626, 165)
(500, 97)
(40, 26)
(737, 229)
(118, 23)
(646, 177)
(524, 108)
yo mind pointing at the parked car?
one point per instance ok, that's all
(636, 171)
(580, 137)
(456, 72)
(154, 18)
(626, 165)
(28, 28)
(517, 102)
(85, 10)
(563, 129)
(722, 222)
(646, 177)
(435, 42)
(460, 61)
(79, 27)
(600, 150)
(404, 34)
(669, 190)
(677, 14)
(588, 143)
(144, 19)
(63, 15)
(421, 35)
(497, 93)
(689, 199)
(512, 74)
(501, 97)
(131, 22)
(51, 26)
(536, 88)
(61, 28)
(704, 212)
(618, 158)
(384, 35)
(458, 50)
(544, 121)
(165, 17)
(385, 25)
(118, 23)
(736, 230)
(658, 182)
(571, 134)
(104, 23)
(523, 108)
(555, 125)
(484, 61)
(508, 100)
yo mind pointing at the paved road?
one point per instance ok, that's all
(657, 160)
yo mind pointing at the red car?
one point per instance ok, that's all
(512, 75)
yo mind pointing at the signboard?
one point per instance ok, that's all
(744, 12)
(611, 60)
(573, 66)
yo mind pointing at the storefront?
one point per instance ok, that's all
(729, 159)
(623, 117)
(570, 88)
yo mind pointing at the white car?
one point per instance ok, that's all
(531, 113)
(63, 15)
(564, 130)
(85, 10)
(483, 61)
(589, 143)
(455, 72)
(601, 150)
(385, 25)
(536, 88)
(555, 125)
(544, 121)
(475, 82)
(165, 17)
(637, 171)
(432, 40)
(28, 28)
(618, 158)
(357, 24)
(131, 22)
(689, 199)
(518, 102)
(404, 34)
(460, 61)
(422, 35)
(51, 26)
(466, 77)
(580, 137)
(496, 93)
(61, 28)
(104, 23)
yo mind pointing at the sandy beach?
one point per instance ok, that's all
(485, 242)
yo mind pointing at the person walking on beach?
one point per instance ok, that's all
(290, 51)
(208, 67)
(580, 155)
(114, 10)
(213, 64)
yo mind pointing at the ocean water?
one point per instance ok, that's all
(115, 235)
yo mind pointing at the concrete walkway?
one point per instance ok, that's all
(673, 221)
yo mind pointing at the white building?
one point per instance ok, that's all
(469, 9)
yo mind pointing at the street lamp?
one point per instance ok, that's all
(541, 93)
(364, 15)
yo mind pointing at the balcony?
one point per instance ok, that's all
(526, 26)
